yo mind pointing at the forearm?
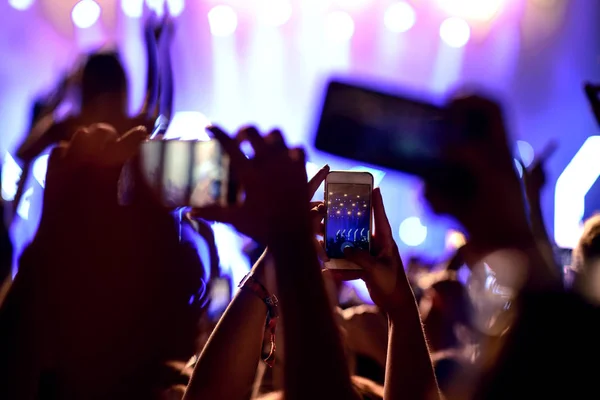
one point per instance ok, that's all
(409, 372)
(233, 350)
(312, 342)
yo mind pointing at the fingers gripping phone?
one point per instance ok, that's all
(348, 219)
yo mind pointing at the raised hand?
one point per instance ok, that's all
(383, 271)
(535, 176)
(114, 276)
(274, 180)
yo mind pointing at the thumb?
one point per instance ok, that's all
(361, 258)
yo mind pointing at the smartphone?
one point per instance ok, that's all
(348, 219)
(187, 172)
(220, 296)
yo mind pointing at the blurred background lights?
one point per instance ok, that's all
(339, 26)
(455, 240)
(412, 232)
(479, 10)
(352, 4)
(176, 7)
(399, 17)
(455, 32)
(11, 173)
(223, 20)
(20, 4)
(85, 13)
(275, 12)
(158, 6)
(132, 8)
(40, 166)
(526, 153)
(188, 125)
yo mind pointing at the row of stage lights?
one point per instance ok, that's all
(339, 26)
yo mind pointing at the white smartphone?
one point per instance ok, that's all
(186, 172)
(348, 220)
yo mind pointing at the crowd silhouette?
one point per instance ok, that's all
(109, 302)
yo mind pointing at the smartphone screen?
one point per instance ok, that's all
(187, 173)
(348, 218)
(381, 129)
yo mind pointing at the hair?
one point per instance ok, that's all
(102, 74)
(456, 301)
(588, 248)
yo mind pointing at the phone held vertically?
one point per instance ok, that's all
(187, 172)
(348, 219)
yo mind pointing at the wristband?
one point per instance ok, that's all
(254, 286)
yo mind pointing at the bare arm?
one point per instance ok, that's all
(227, 365)
(312, 342)
(409, 373)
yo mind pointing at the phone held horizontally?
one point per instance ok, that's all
(348, 219)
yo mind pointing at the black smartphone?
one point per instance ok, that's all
(188, 172)
(384, 129)
(348, 219)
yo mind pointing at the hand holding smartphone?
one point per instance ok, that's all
(348, 219)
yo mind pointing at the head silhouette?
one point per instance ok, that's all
(103, 76)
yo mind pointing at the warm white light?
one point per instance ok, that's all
(20, 5)
(223, 21)
(275, 12)
(412, 232)
(176, 7)
(339, 27)
(400, 17)
(480, 10)
(132, 8)
(158, 6)
(455, 32)
(85, 13)
(352, 4)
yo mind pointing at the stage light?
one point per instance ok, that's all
(40, 167)
(176, 7)
(25, 204)
(399, 17)
(339, 27)
(571, 188)
(275, 12)
(132, 8)
(352, 4)
(188, 125)
(158, 6)
(526, 153)
(85, 13)
(455, 32)
(412, 232)
(11, 173)
(20, 5)
(223, 21)
(480, 10)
